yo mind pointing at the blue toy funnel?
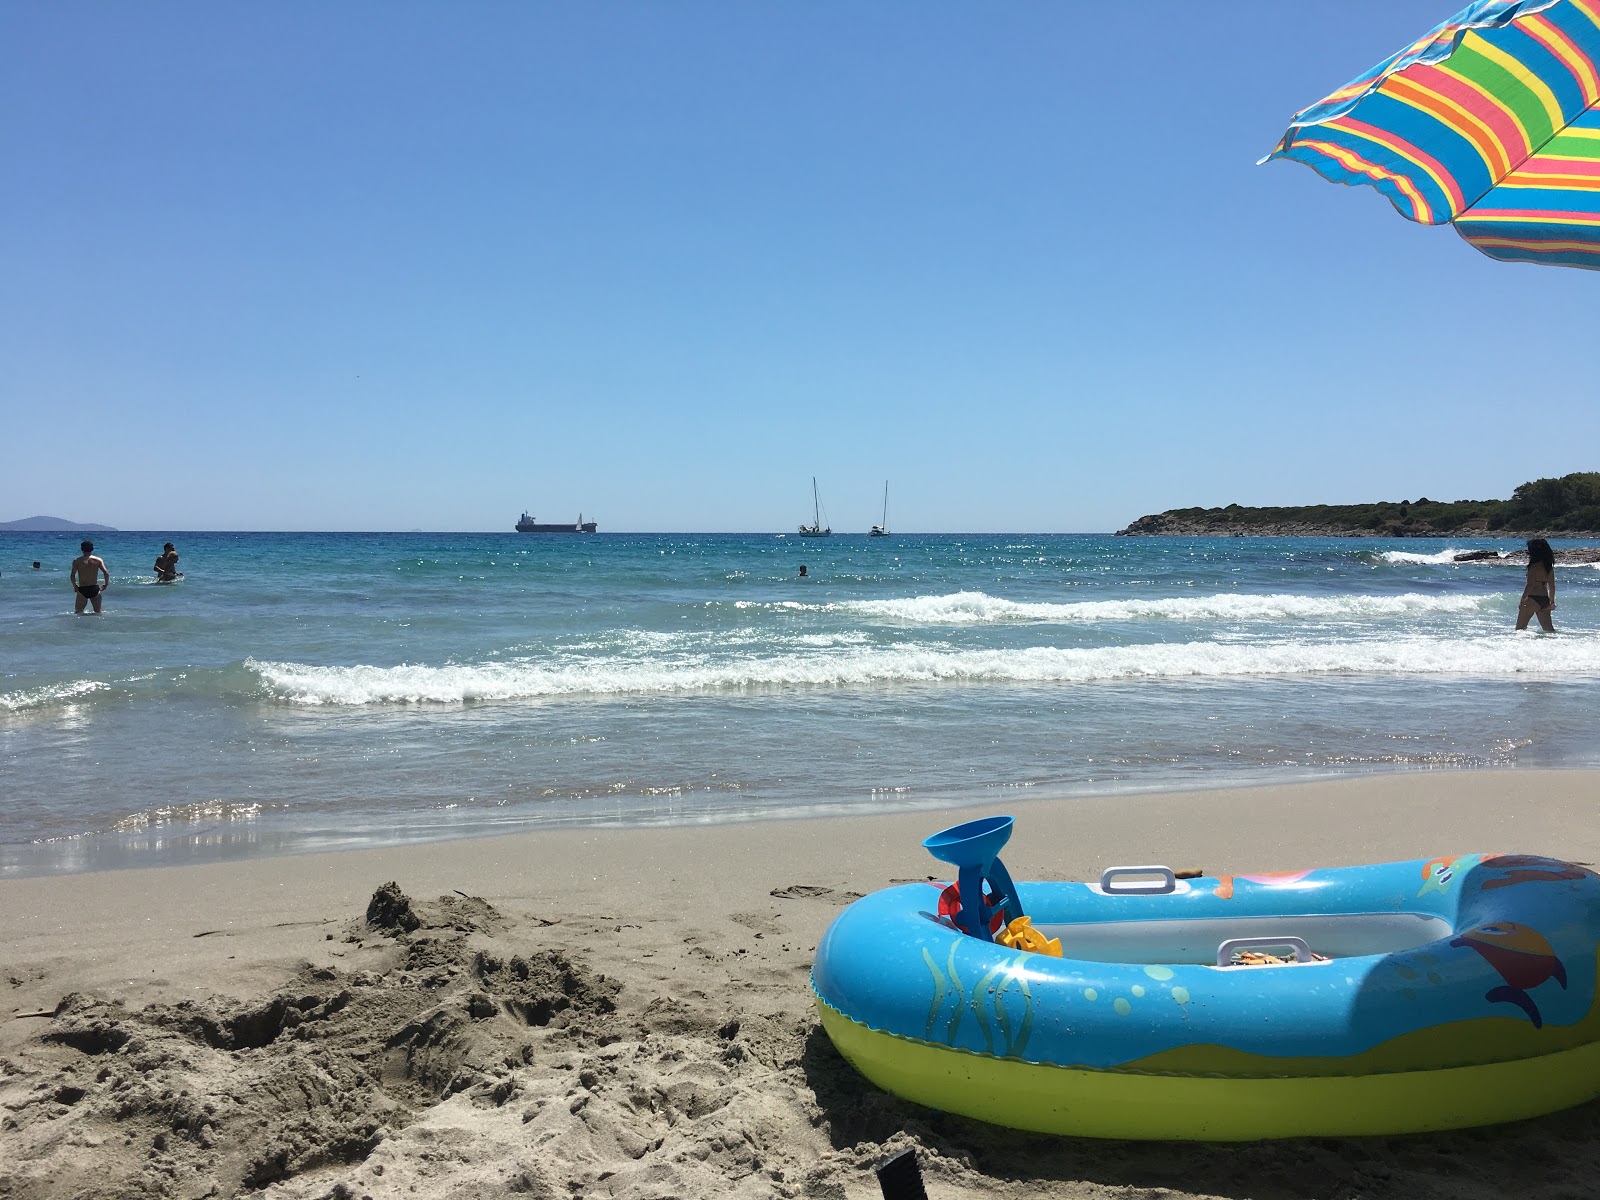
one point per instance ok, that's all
(973, 844)
(974, 848)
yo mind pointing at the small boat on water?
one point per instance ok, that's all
(1399, 997)
(816, 528)
(529, 525)
(883, 529)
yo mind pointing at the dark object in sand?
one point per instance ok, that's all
(390, 908)
(901, 1178)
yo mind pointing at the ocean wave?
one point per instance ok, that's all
(664, 641)
(1500, 654)
(979, 608)
(1446, 557)
(50, 694)
(204, 812)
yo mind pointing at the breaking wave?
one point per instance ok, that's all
(1496, 655)
(978, 608)
(43, 697)
(174, 816)
(1445, 557)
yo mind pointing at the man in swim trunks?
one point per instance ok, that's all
(167, 565)
(85, 578)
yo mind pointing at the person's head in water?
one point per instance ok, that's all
(1540, 554)
(802, 570)
(168, 548)
(36, 564)
(86, 547)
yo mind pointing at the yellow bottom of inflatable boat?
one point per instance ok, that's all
(1130, 1103)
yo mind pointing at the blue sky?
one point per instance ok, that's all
(395, 265)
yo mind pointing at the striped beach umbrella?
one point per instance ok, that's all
(1491, 122)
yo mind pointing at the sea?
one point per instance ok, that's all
(302, 692)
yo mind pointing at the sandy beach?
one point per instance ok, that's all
(626, 1012)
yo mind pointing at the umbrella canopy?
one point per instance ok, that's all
(1490, 122)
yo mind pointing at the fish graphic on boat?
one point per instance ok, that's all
(1520, 956)
(1439, 873)
(1528, 868)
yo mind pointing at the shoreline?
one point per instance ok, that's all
(1253, 779)
(626, 1011)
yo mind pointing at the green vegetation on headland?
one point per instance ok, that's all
(1565, 507)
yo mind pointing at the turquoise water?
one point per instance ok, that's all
(309, 691)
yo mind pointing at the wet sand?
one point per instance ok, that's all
(626, 1012)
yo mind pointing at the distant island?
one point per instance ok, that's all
(1566, 507)
(52, 525)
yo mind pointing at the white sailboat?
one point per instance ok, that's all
(815, 529)
(883, 529)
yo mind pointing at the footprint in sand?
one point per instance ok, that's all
(812, 891)
(758, 923)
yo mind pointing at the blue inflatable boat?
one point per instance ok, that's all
(1411, 996)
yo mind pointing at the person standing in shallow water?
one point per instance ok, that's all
(1539, 593)
(85, 578)
(166, 565)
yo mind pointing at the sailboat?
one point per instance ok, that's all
(815, 529)
(882, 530)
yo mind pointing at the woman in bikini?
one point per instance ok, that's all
(1539, 593)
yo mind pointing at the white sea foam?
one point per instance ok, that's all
(200, 813)
(53, 693)
(1501, 654)
(979, 608)
(1443, 558)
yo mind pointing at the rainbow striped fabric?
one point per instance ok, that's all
(1491, 122)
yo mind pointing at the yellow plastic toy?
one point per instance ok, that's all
(1021, 935)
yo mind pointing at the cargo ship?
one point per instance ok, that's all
(529, 525)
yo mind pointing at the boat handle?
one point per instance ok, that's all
(1226, 951)
(1167, 883)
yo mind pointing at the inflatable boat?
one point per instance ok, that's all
(1393, 998)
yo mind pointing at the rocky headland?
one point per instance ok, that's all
(52, 525)
(1568, 507)
(1215, 523)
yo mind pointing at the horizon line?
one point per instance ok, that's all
(606, 532)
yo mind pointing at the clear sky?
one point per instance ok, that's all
(393, 265)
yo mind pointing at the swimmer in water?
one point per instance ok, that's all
(1539, 592)
(85, 578)
(166, 566)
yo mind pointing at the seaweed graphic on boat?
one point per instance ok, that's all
(1004, 1034)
